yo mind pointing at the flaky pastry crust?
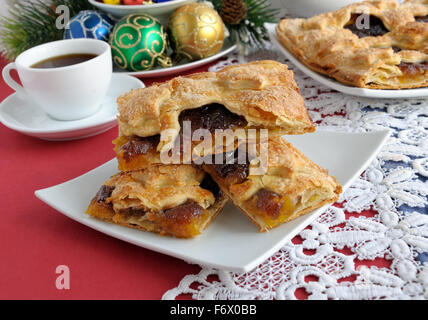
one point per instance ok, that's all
(324, 44)
(170, 200)
(292, 185)
(264, 92)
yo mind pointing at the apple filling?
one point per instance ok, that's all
(413, 69)
(268, 202)
(270, 207)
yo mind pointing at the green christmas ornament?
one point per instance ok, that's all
(139, 42)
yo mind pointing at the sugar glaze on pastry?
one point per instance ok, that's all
(263, 93)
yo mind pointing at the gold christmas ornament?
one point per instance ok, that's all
(196, 31)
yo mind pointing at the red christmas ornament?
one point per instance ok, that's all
(133, 2)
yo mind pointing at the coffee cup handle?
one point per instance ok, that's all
(12, 83)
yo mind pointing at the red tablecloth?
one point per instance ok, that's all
(35, 239)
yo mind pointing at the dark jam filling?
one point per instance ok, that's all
(269, 202)
(422, 19)
(104, 193)
(209, 184)
(184, 213)
(211, 117)
(375, 27)
(233, 168)
(133, 212)
(138, 146)
(413, 69)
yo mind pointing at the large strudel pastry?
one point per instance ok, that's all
(374, 44)
(270, 181)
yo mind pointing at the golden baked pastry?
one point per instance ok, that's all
(176, 200)
(291, 186)
(373, 44)
(260, 94)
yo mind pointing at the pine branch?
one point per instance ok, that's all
(32, 23)
(251, 28)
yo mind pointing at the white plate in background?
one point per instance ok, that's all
(336, 85)
(231, 242)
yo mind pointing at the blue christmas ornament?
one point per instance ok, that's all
(89, 24)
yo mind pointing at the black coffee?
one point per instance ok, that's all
(63, 61)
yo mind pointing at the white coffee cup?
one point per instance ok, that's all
(65, 93)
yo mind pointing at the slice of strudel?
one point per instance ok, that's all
(175, 200)
(232, 101)
(273, 183)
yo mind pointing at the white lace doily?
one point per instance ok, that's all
(383, 215)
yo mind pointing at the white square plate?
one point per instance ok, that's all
(332, 83)
(231, 242)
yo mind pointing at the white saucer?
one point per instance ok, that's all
(332, 83)
(228, 47)
(24, 116)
